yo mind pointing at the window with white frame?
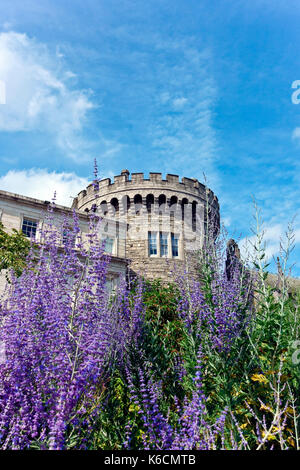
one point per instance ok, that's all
(152, 240)
(163, 244)
(68, 236)
(29, 227)
(109, 244)
(110, 284)
(174, 242)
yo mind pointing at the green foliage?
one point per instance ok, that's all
(109, 430)
(14, 249)
(243, 379)
(256, 378)
(161, 344)
(163, 333)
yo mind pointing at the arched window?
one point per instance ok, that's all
(194, 216)
(103, 208)
(162, 200)
(173, 207)
(138, 202)
(173, 201)
(125, 204)
(115, 206)
(184, 205)
(149, 203)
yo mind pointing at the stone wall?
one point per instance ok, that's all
(14, 208)
(162, 208)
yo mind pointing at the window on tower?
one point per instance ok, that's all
(152, 239)
(174, 241)
(163, 244)
(108, 244)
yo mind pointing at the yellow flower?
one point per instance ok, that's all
(267, 408)
(243, 426)
(270, 437)
(272, 372)
(134, 407)
(259, 378)
(289, 410)
(275, 429)
(263, 358)
(291, 441)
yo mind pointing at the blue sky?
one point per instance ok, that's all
(184, 87)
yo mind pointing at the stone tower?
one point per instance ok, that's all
(166, 219)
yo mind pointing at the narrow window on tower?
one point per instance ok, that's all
(152, 241)
(194, 216)
(163, 244)
(174, 241)
(108, 244)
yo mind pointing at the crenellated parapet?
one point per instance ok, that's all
(136, 183)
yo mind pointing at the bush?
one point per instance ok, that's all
(208, 363)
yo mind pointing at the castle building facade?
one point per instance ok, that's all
(29, 215)
(151, 226)
(166, 219)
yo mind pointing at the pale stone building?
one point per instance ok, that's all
(151, 225)
(29, 215)
(166, 219)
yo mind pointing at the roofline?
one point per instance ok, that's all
(57, 207)
(33, 201)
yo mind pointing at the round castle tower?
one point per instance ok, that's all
(164, 219)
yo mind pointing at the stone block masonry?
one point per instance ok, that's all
(166, 219)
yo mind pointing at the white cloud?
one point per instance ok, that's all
(179, 102)
(272, 237)
(7, 25)
(226, 221)
(39, 96)
(186, 138)
(41, 184)
(296, 133)
(271, 240)
(164, 97)
(297, 235)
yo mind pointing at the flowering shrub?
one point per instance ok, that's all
(61, 331)
(202, 364)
